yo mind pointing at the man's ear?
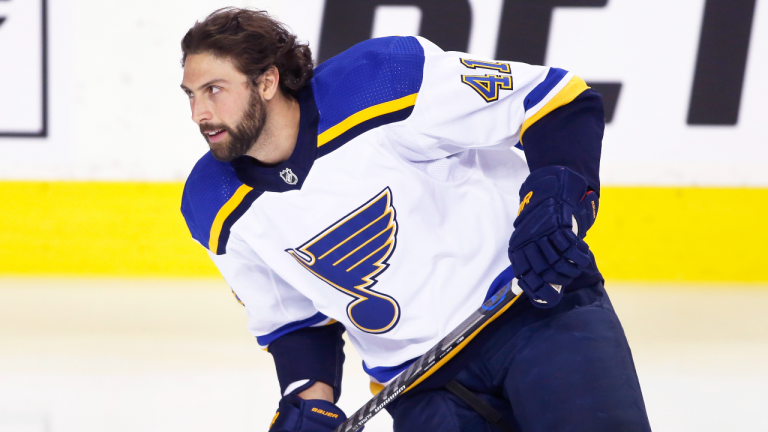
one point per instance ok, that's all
(269, 83)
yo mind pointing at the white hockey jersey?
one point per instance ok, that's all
(394, 212)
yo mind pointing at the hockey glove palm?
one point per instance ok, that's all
(295, 414)
(547, 249)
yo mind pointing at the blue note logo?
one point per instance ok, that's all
(351, 254)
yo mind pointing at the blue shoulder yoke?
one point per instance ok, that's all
(374, 83)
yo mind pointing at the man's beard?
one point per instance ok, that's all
(241, 137)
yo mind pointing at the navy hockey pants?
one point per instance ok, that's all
(568, 368)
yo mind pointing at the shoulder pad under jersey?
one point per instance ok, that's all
(213, 200)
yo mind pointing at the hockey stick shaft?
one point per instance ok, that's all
(436, 356)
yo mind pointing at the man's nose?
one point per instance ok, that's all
(200, 111)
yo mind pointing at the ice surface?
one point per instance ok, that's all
(90, 355)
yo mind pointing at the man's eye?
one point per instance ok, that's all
(215, 90)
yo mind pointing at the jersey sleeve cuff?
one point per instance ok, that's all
(310, 353)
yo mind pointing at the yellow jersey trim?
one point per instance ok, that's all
(565, 96)
(376, 387)
(365, 115)
(223, 214)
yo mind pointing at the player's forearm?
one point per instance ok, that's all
(318, 390)
(570, 136)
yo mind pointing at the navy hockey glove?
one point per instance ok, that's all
(295, 414)
(547, 249)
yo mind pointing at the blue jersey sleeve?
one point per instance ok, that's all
(569, 136)
(310, 353)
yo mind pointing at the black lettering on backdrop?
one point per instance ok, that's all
(610, 93)
(524, 37)
(2, 18)
(721, 62)
(347, 22)
(43, 131)
(524, 31)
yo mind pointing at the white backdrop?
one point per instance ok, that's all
(116, 112)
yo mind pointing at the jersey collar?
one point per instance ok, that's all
(290, 174)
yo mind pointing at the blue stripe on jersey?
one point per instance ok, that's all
(554, 76)
(373, 78)
(384, 374)
(213, 200)
(501, 280)
(296, 325)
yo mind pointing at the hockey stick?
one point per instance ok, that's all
(436, 356)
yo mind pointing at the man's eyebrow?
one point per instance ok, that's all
(213, 81)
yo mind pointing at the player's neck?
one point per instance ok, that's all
(278, 139)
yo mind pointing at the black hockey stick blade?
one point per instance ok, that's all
(436, 357)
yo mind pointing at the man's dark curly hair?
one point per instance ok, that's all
(253, 41)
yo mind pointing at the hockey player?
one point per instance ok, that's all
(380, 194)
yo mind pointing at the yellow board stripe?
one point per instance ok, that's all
(365, 115)
(567, 94)
(223, 214)
(135, 229)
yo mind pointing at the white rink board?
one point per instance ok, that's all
(158, 355)
(116, 111)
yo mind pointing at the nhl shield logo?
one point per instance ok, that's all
(288, 176)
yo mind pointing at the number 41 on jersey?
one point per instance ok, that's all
(488, 86)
